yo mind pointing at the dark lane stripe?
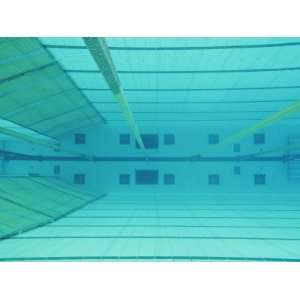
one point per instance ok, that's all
(64, 47)
(194, 209)
(196, 158)
(194, 205)
(199, 90)
(203, 120)
(118, 48)
(156, 237)
(180, 217)
(251, 46)
(193, 112)
(189, 71)
(200, 102)
(153, 258)
(173, 226)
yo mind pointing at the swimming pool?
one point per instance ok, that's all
(149, 149)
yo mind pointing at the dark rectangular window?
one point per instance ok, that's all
(260, 179)
(213, 139)
(236, 148)
(213, 179)
(150, 141)
(169, 179)
(79, 138)
(79, 178)
(124, 139)
(259, 138)
(169, 139)
(124, 179)
(34, 174)
(237, 170)
(56, 169)
(146, 176)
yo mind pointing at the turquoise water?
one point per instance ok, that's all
(218, 178)
(169, 227)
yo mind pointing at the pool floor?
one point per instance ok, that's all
(168, 227)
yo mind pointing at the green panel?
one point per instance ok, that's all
(48, 109)
(37, 89)
(15, 218)
(27, 203)
(66, 119)
(29, 200)
(37, 197)
(59, 185)
(58, 197)
(20, 55)
(34, 88)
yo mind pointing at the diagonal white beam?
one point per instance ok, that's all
(101, 55)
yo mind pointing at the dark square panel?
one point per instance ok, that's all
(213, 138)
(150, 141)
(169, 139)
(79, 178)
(146, 176)
(56, 169)
(237, 170)
(80, 138)
(124, 179)
(236, 148)
(213, 179)
(259, 138)
(124, 139)
(34, 174)
(260, 179)
(169, 179)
